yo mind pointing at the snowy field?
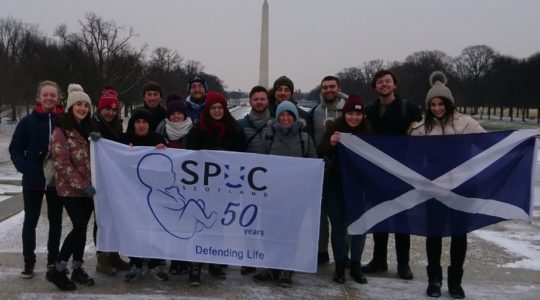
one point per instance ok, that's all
(515, 244)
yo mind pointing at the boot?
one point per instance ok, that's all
(217, 271)
(61, 280)
(285, 278)
(104, 264)
(356, 272)
(339, 273)
(454, 282)
(434, 281)
(80, 276)
(116, 261)
(374, 266)
(194, 277)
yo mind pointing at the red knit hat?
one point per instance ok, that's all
(109, 98)
(213, 98)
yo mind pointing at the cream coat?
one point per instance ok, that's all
(460, 124)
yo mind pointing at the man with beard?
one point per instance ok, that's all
(390, 115)
(197, 89)
(331, 104)
(255, 121)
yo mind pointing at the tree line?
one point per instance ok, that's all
(484, 82)
(99, 54)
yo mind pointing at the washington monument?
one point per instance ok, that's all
(263, 64)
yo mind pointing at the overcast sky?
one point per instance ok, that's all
(308, 38)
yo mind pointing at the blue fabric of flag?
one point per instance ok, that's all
(504, 183)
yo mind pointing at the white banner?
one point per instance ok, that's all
(208, 206)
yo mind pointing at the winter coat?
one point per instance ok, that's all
(30, 144)
(460, 124)
(295, 142)
(194, 110)
(70, 152)
(397, 118)
(199, 139)
(151, 139)
(253, 136)
(158, 114)
(330, 153)
(175, 144)
(320, 113)
(109, 130)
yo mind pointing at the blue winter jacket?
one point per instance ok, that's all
(30, 144)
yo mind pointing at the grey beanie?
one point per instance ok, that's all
(438, 88)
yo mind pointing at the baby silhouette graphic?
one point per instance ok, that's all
(178, 217)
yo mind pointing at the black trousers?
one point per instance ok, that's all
(458, 250)
(32, 209)
(380, 248)
(79, 210)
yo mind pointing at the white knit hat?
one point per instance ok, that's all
(75, 94)
(438, 88)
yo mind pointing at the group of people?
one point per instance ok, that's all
(274, 125)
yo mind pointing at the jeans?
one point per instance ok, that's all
(32, 209)
(334, 204)
(79, 210)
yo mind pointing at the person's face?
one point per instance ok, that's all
(48, 97)
(330, 90)
(283, 93)
(354, 118)
(80, 110)
(177, 117)
(196, 91)
(436, 105)
(109, 113)
(217, 111)
(286, 119)
(385, 86)
(141, 127)
(259, 102)
(152, 98)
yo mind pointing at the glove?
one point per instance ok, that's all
(89, 191)
(94, 135)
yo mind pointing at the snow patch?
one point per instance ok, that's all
(524, 244)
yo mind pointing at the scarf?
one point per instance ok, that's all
(259, 120)
(176, 131)
(213, 125)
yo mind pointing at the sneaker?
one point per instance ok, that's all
(247, 270)
(216, 271)
(28, 271)
(374, 267)
(265, 275)
(61, 280)
(158, 274)
(80, 276)
(434, 289)
(133, 274)
(194, 277)
(285, 279)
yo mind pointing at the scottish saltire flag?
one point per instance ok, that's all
(437, 185)
(208, 206)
